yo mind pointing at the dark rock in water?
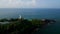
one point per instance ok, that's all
(48, 21)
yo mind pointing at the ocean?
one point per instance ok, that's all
(44, 14)
(36, 13)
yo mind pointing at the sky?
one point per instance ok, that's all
(29, 3)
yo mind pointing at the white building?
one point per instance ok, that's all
(20, 17)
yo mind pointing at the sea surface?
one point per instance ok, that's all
(37, 13)
(45, 14)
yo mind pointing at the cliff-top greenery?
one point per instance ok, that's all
(21, 26)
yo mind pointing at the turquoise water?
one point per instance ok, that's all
(47, 14)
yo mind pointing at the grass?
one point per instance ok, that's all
(20, 26)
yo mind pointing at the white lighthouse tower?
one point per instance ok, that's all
(20, 17)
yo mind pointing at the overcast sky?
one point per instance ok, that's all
(29, 3)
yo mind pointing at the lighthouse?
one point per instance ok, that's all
(20, 17)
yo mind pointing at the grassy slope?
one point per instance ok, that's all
(22, 26)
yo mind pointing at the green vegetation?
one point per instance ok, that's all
(20, 26)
